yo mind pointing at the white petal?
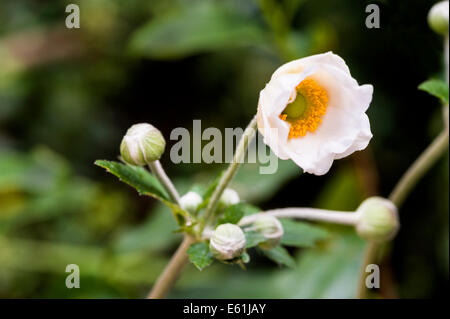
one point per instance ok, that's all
(296, 66)
(345, 127)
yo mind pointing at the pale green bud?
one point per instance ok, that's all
(227, 242)
(378, 219)
(143, 144)
(190, 201)
(229, 197)
(271, 228)
(438, 18)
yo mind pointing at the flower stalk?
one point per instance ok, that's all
(161, 175)
(180, 258)
(314, 214)
(241, 148)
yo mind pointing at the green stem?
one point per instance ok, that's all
(418, 169)
(172, 271)
(226, 178)
(314, 214)
(179, 259)
(161, 175)
(403, 188)
(176, 264)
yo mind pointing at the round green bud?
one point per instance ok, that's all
(190, 201)
(271, 228)
(438, 17)
(227, 242)
(229, 197)
(378, 219)
(143, 144)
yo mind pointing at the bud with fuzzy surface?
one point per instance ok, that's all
(227, 242)
(378, 219)
(142, 144)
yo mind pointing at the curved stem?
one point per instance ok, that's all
(161, 175)
(418, 169)
(179, 259)
(173, 269)
(241, 148)
(321, 215)
(404, 186)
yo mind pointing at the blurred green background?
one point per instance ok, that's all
(68, 96)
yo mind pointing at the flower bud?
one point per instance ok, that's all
(190, 201)
(271, 228)
(378, 219)
(229, 197)
(438, 18)
(227, 242)
(143, 144)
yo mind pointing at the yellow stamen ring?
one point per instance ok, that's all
(305, 113)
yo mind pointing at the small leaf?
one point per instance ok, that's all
(437, 88)
(245, 258)
(301, 234)
(253, 238)
(145, 183)
(232, 214)
(200, 255)
(280, 255)
(135, 176)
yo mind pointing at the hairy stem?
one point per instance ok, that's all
(226, 178)
(418, 169)
(161, 175)
(173, 269)
(322, 215)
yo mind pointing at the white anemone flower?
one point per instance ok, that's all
(313, 112)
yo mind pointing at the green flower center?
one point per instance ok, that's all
(295, 109)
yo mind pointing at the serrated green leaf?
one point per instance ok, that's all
(437, 88)
(301, 234)
(135, 176)
(280, 255)
(200, 255)
(233, 214)
(200, 26)
(253, 238)
(145, 183)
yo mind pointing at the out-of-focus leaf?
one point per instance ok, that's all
(437, 88)
(280, 255)
(233, 214)
(253, 238)
(328, 272)
(198, 27)
(200, 255)
(50, 257)
(301, 234)
(155, 233)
